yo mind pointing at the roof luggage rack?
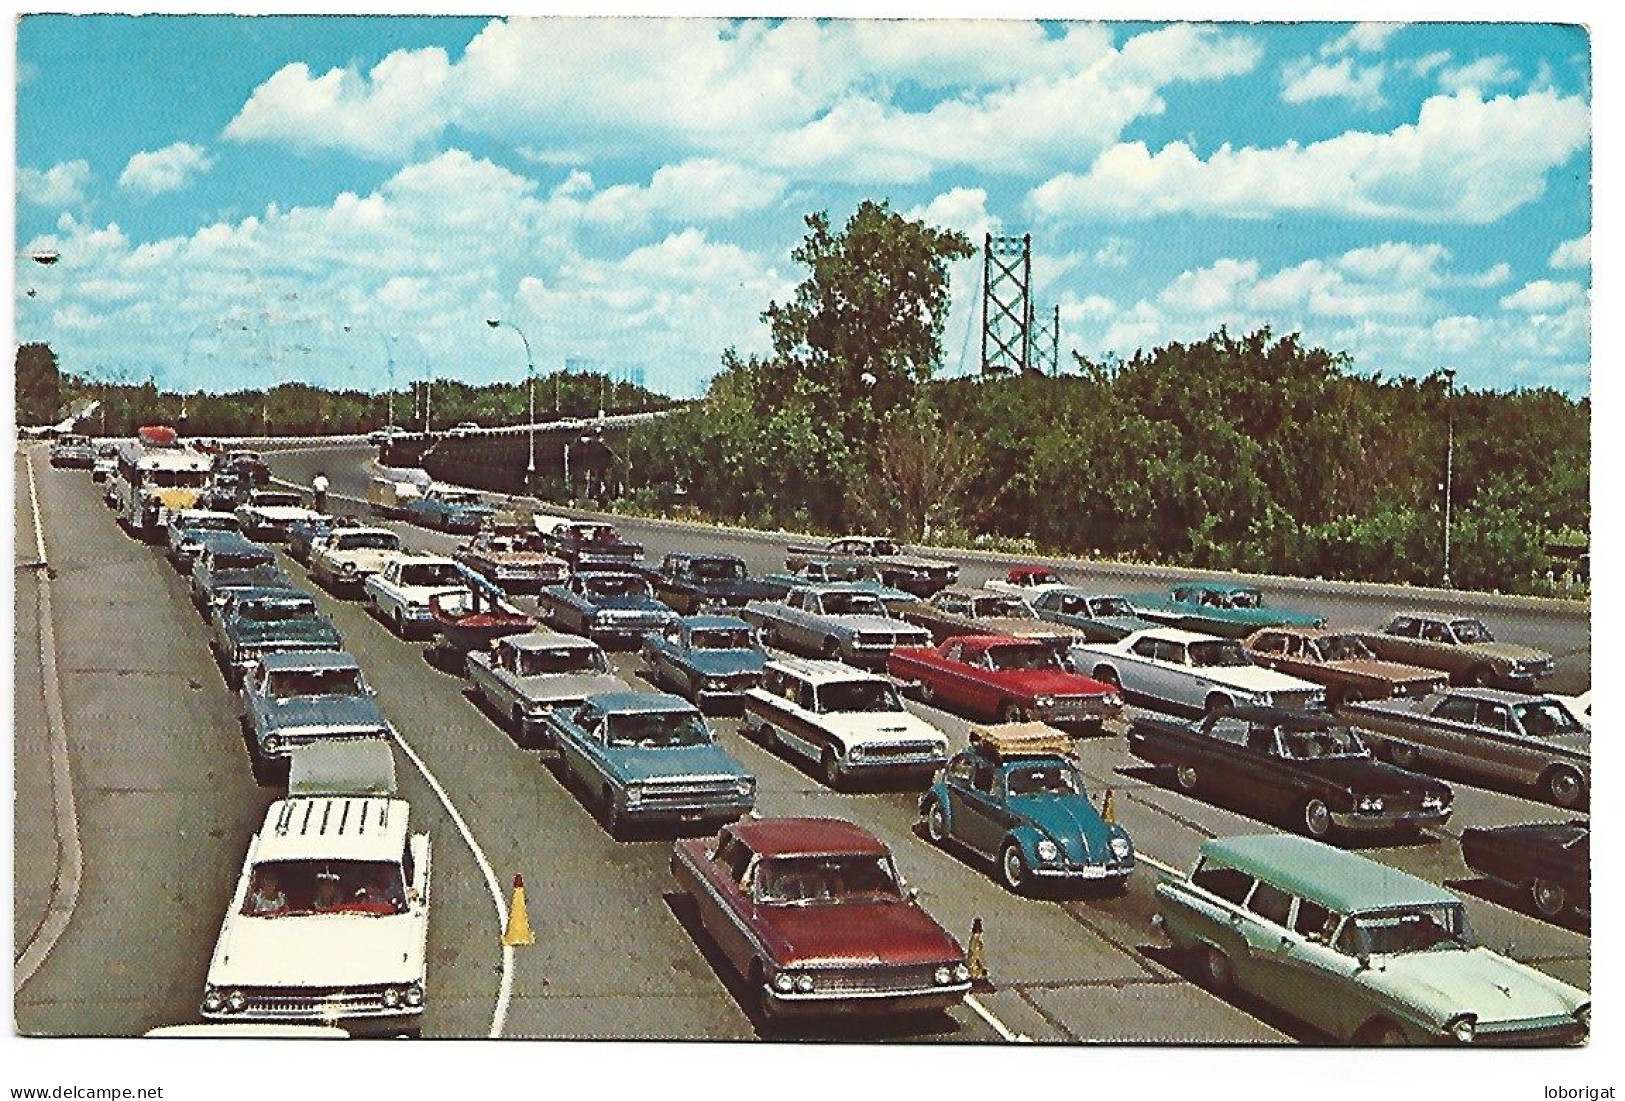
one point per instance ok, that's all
(1019, 740)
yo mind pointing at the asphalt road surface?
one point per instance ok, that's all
(166, 805)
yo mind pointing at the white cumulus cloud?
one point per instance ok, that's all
(60, 185)
(1572, 254)
(168, 169)
(1362, 38)
(1485, 72)
(704, 190)
(1303, 81)
(1544, 296)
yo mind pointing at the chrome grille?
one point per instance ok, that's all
(688, 791)
(898, 749)
(876, 980)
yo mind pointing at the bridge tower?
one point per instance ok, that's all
(1007, 308)
(1047, 343)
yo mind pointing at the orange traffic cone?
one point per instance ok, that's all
(1108, 808)
(976, 957)
(518, 930)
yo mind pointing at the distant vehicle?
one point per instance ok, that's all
(304, 534)
(1097, 618)
(587, 544)
(833, 621)
(711, 660)
(920, 576)
(1016, 797)
(512, 556)
(1222, 608)
(1342, 663)
(254, 622)
(1297, 768)
(812, 914)
(959, 611)
(1462, 647)
(1529, 740)
(226, 564)
(73, 450)
(526, 676)
(1548, 862)
(649, 758)
(1011, 679)
(385, 435)
(329, 920)
(105, 464)
(1184, 672)
(394, 488)
(694, 583)
(844, 571)
(465, 428)
(1365, 953)
(296, 698)
(448, 508)
(1027, 581)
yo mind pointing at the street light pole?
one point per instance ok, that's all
(530, 380)
(1449, 463)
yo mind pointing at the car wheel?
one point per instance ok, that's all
(1384, 1034)
(1317, 819)
(1351, 695)
(1401, 754)
(1013, 867)
(1105, 674)
(1185, 777)
(1549, 899)
(1218, 974)
(832, 769)
(936, 822)
(1215, 701)
(521, 732)
(1563, 786)
(400, 623)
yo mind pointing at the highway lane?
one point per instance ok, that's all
(1562, 628)
(1170, 825)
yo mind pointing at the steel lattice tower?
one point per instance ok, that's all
(1007, 308)
(1046, 344)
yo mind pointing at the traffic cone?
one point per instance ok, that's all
(976, 957)
(518, 930)
(1108, 808)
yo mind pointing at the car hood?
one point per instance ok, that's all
(686, 762)
(1509, 651)
(1478, 981)
(721, 663)
(365, 559)
(282, 514)
(1365, 776)
(1071, 821)
(319, 950)
(858, 932)
(879, 726)
(1253, 678)
(871, 624)
(1049, 682)
(630, 604)
(571, 686)
(325, 713)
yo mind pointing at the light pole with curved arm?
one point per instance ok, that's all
(530, 378)
(389, 365)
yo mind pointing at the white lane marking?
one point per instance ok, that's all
(499, 1015)
(999, 1026)
(1159, 865)
(71, 858)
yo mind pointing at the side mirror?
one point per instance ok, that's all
(913, 894)
(1365, 961)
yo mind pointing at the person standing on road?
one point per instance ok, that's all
(318, 492)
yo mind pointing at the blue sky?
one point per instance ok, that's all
(245, 200)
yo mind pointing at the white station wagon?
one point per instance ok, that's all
(330, 919)
(1190, 673)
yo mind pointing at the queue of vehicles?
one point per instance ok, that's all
(1014, 798)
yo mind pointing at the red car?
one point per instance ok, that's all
(1012, 679)
(813, 914)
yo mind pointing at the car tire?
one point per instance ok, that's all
(1549, 899)
(1218, 973)
(757, 1004)
(399, 623)
(1316, 817)
(830, 766)
(831, 649)
(936, 822)
(1382, 1033)
(1402, 754)
(1215, 701)
(1105, 674)
(1185, 776)
(1563, 786)
(1013, 867)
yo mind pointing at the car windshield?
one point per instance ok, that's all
(1239, 598)
(561, 659)
(1218, 652)
(719, 569)
(1342, 648)
(431, 573)
(1042, 778)
(215, 523)
(1110, 606)
(1469, 631)
(316, 682)
(594, 533)
(1036, 656)
(614, 585)
(853, 604)
(858, 695)
(657, 730)
(461, 498)
(300, 888)
(178, 479)
(1337, 741)
(720, 638)
(245, 561)
(1546, 719)
(368, 540)
(272, 610)
(276, 500)
(815, 880)
(1004, 607)
(1438, 927)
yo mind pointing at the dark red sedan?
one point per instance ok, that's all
(1011, 679)
(812, 913)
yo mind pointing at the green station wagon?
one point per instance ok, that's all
(1359, 950)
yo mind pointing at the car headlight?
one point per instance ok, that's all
(236, 1001)
(634, 793)
(213, 1000)
(1462, 1029)
(347, 567)
(746, 785)
(1047, 850)
(961, 973)
(1370, 804)
(392, 998)
(855, 752)
(943, 975)
(784, 982)
(272, 742)
(414, 995)
(1121, 848)
(1044, 701)
(804, 984)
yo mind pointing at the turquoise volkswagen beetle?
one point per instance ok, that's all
(1016, 798)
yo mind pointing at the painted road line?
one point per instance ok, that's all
(499, 1015)
(70, 851)
(997, 1025)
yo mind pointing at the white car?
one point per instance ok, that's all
(1189, 673)
(348, 556)
(1027, 581)
(466, 428)
(523, 677)
(269, 513)
(329, 922)
(399, 594)
(847, 722)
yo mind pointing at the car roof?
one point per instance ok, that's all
(715, 623)
(334, 827)
(549, 640)
(1176, 634)
(837, 587)
(1216, 586)
(776, 837)
(1338, 880)
(970, 593)
(1436, 617)
(1030, 571)
(426, 560)
(279, 661)
(622, 703)
(270, 592)
(986, 642)
(821, 671)
(1495, 695)
(366, 531)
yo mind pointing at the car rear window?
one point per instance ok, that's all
(1227, 883)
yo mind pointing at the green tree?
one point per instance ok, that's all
(39, 385)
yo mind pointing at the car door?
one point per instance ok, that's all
(1450, 734)
(1495, 745)
(1265, 930)
(976, 810)
(1319, 983)
(580, 744)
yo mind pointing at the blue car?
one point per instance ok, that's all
(707, 658)
(1016, 798)
(643, 757)
(449, 509)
